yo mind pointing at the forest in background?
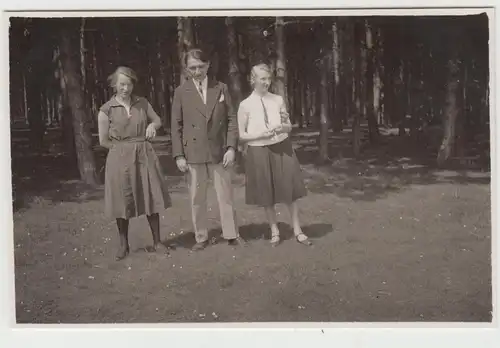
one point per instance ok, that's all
(412, 73)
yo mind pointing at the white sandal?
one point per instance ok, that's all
(275, 240)
(303, 239)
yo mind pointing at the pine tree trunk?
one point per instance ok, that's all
(313, 103)
(53, 103)
(34, 107)
(338, 107)
(303, 103)
(291, 91)
(281, 83)
(324, 108)
(356, 130)
(391, 70)
(116, 32)
(152, 75)
(160, 87)
(233, 60)
(82, 52)
(308, 104)
(462, 114)
(450, 112)
(95, 97)
(185, 43)
(347, 52)
(377, 90)
(43, 107)
(65, 118)
(83, 136)
(50, 119)
(25, 99)
(370, 74)
(297, 96)
(164, 80)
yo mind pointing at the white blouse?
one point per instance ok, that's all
(251, 117)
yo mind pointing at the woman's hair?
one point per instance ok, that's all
(196, 53)
(123, 70)
(256, 69)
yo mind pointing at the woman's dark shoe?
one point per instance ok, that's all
(122, 253)
(199, 246)
(238, 241)
(160, 248)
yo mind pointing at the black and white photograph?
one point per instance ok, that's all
(233, 168)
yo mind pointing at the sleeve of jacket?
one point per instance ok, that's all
(177, 124)
(232, 121)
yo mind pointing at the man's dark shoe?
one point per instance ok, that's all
(237, 242)
(200, 246)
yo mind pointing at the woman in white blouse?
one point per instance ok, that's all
(273, 173)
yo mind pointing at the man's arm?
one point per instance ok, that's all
(177, 124)
(232, 121)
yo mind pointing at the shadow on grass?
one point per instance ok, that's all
(51, 177)
(251, 232)
(392, 165)
(388, 167)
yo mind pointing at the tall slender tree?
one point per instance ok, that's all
(358, 111)
(81, 124)
(338, 78)
(35, 78)
(454, 94)
(280, 83)
(370, 74)
(234, 66)
(186, 41)
(325, 66)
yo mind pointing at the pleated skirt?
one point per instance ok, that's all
(273, 175)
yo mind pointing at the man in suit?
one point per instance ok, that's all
(204, 142)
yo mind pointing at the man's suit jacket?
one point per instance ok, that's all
(203, 132)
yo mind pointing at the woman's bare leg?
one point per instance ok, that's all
(273, 223)
(293, 209)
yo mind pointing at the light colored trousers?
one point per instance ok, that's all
(199, 176)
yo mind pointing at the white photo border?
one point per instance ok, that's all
(242, 335)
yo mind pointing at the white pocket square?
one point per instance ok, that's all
(221, 99)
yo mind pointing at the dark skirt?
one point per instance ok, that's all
(273, 175)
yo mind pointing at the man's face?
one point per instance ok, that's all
(197, 69)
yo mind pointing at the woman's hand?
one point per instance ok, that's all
(150, 131)
(268, 133)
(279, 129)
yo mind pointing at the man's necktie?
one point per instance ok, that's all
(266, 116)
(200, 89)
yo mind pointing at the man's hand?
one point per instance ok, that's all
(181, 164)
(229, 157)
(150, 131)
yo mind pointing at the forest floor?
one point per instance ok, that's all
(395, 239)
